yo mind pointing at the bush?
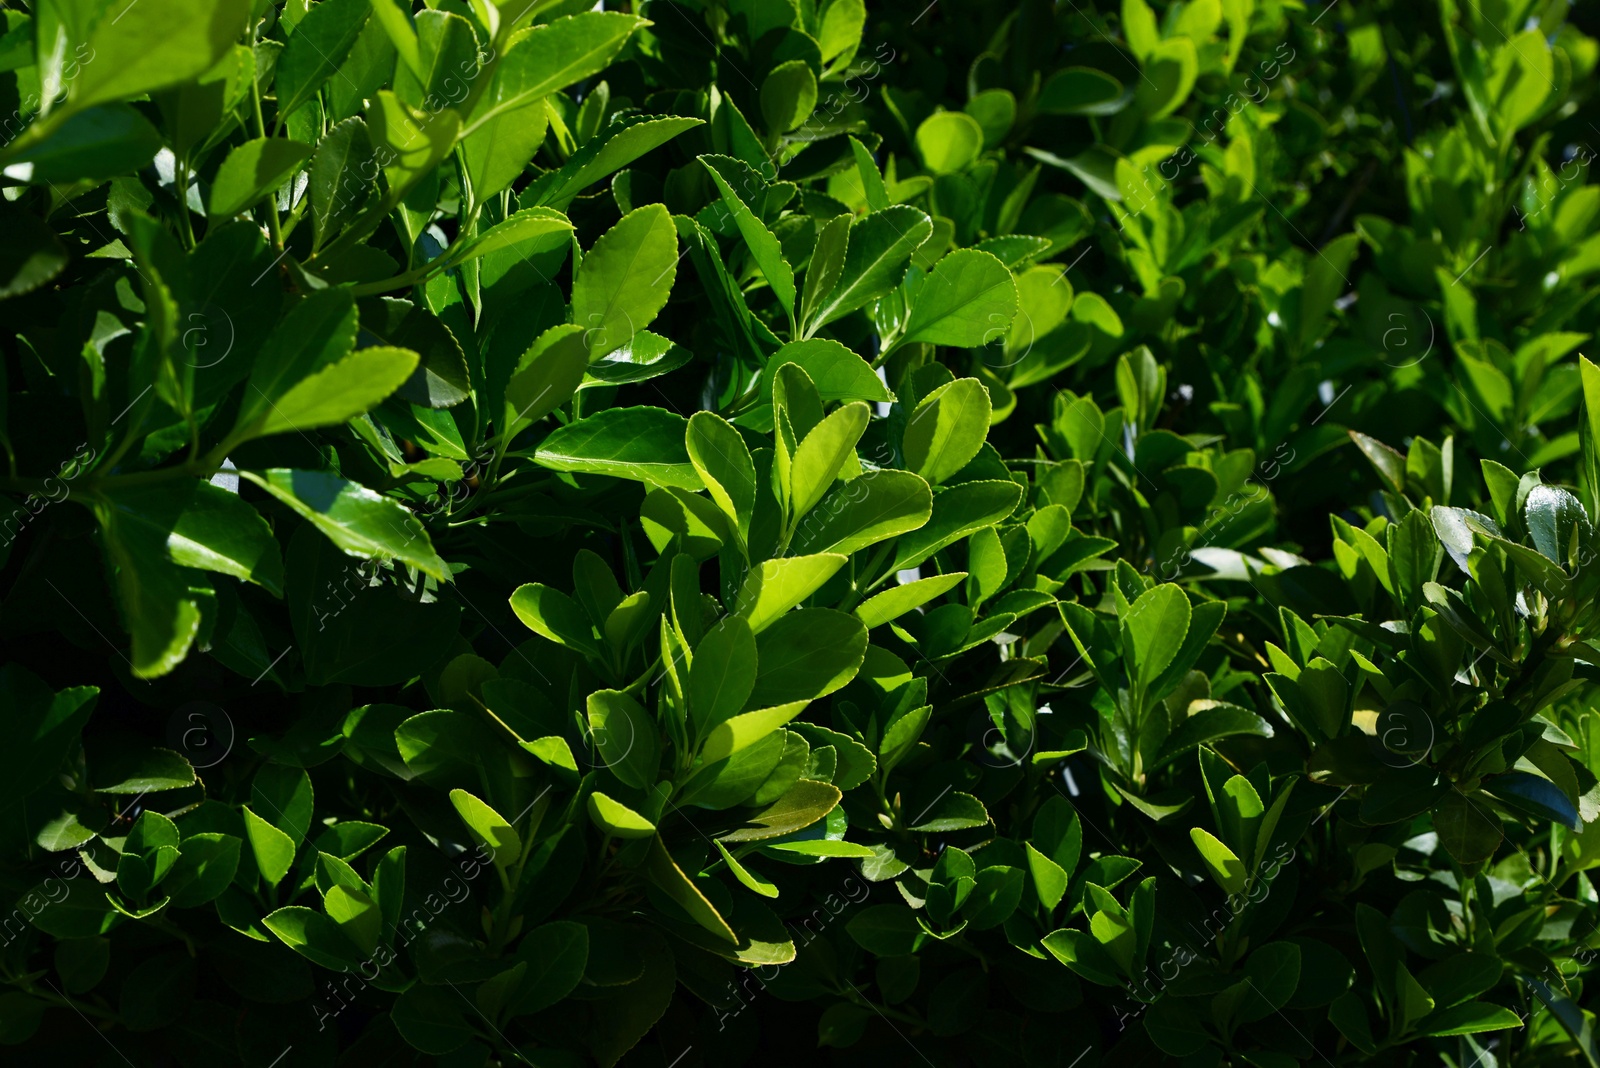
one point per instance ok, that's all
(551, 536)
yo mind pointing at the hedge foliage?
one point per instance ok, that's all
(558, 533)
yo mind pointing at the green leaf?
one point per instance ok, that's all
(155, 597)
(644, 357)
(354, 518)
(556, 954)
(274, 851)
(894, 603)
(200, 525)
(1325, 282)
(433, 1019)
(502, 144)
(252, 170)
(553, 615)
(807, 654)
(338, 393)
(339, 186)
(625, 278)
(747, 879)
(317, 332)
(1588, 434)
(547, 376)
(1470, 1018)
(838, 373)
(31, 255)
(947, 429)
(948, 141)
(886, 930)
(969, 300)
(666, 874)
(1273, 971)
(1082, 91)
(805, 803)
(644, 444)
(764, 248)
(541, 59)
(617, 819)
(723, 462)
(316, 49)
(527, 225)
(37, 730)
(1170, 71)
(788, 96)
(1225, 867)
(1469, 830)
(623, 141)
(1155, 626)
(866, 510)
(822, 453)
(957, 513)
(626, 737)
(1207, 723)
(742, 731)
(775, 586)
(1049, 878)
(416, 141)
(489, 827)
(901, 737)
(723, 672)
(138, 49)
(879, 249)
(92, 145)
(955, 811)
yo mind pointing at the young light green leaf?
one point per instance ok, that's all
(948, 141)
(821, 455)
(525, 226)
(775, 586)
(957, 513)
(665, 873)
(1224, 866)
(203, 526)
(732, 735)
(541, 59)
(788, 96)
(947, 429)
(892, 604)
(625, 278)
(339, 186)
(617, 819)
(274, 851)
(354, 518)
(416, 141)
(827, 261)
(878, 251)
(645, 444)
(1155, 627)
(747, 879)
(553, 615)
(489, 827)
(723, 462)
(866, 510)
(969, 300)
